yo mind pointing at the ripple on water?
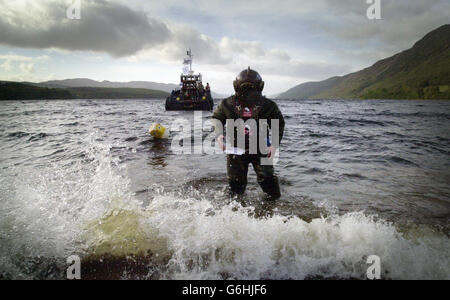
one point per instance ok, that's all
(101, 186)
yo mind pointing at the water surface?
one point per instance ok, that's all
(358, 178)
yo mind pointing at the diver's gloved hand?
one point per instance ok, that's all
(271, 151)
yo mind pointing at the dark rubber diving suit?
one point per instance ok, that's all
(237, 165)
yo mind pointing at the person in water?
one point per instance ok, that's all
(249, 103)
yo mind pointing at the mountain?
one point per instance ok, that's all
(116, 93)
(84, 82)
(422, 72)
(22, 91)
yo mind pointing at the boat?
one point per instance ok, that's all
(191, 95)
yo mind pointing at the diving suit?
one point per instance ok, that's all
(248, 103)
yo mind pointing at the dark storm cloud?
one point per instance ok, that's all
(108, 27)
(104, 27)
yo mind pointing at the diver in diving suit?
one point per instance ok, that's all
(248, 103)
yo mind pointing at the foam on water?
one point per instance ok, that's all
(210, 242)
(87, 208)
(44, 210)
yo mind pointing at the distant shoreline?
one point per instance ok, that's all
(10, 91)
(361, 99)
(218, 100)
(15, 91)
(76, 99)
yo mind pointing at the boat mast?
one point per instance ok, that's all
(189, 53)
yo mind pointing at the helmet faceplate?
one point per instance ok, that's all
(248, 79)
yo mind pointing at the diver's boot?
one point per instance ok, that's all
(237, 187)
(267, 179)
(237, 168)
(271, 187)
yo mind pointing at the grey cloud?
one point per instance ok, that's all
(108, 27)
(403, 22)
(311, 71)
(205, 49)
(276, 61)
(104, 27)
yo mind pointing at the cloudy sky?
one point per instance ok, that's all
(287, 41)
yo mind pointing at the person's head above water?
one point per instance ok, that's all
(248, 83)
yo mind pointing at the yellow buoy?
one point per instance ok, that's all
(158, 131)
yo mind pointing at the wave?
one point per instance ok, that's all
(192, 239)
(71, 124)
(420, 114)
(89, 209)
(342, 122)
(18, 134)
(38, 137)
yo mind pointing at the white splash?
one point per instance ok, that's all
(88, 206)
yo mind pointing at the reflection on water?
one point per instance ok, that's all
(158, 151)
